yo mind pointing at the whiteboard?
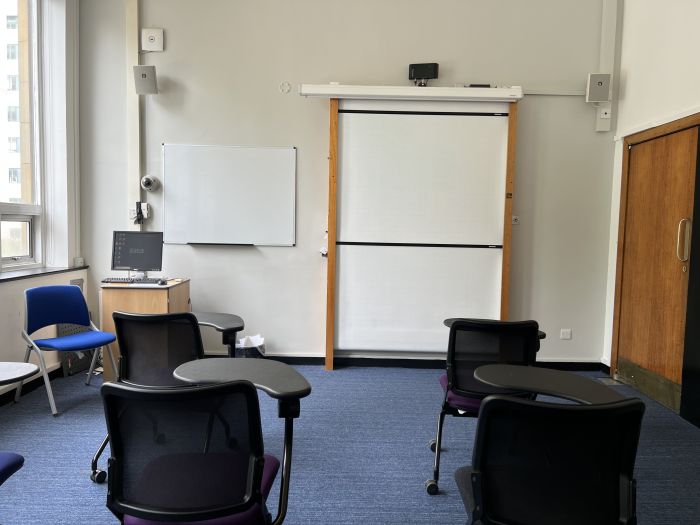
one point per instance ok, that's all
(422, 178)
(421, 203)
(397, 297)
(229, 195)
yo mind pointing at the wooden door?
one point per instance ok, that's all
(655, 263)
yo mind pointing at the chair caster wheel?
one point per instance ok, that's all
(98, 476)
(431, 486)
(433, 445)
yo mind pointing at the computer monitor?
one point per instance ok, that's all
(138, 251)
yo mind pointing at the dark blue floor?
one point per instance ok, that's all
(360, 454)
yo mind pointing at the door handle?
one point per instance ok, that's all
(686, 240)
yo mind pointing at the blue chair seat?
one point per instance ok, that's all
(9, 464)
(76, 342)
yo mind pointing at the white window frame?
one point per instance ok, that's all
(33, 217)
(54, 59)
(31, 213)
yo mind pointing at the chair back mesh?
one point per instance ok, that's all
(191, 452)
(548, 464)
(153, 346)
(476, 342)
(50, 305)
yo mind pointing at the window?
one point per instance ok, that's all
(16, 235)
(20, 209)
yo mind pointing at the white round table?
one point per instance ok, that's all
(12, 372)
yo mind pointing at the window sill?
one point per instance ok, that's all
(28, 273)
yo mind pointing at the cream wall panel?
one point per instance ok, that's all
(219, 80)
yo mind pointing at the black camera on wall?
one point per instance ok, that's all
(421, 73)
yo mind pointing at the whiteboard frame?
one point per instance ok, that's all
(334, 103)
(249, 195)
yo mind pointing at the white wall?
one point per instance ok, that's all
(658, 65)
(219, 78)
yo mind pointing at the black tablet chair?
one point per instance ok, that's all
(472, 343)
(60, 305)
(198, 472)
(152, 346)
(539, 463)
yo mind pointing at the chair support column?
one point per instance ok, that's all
(289, 409)
(18, 392)
(92, 365)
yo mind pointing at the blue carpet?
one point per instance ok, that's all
(360, 454)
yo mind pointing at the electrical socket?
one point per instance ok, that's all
(565, 333)
(604, 113)
(515, 219)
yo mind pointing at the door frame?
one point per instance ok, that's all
(629, 141)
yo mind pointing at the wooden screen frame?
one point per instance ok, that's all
(333, 221)
(332, 231)
(629, 141)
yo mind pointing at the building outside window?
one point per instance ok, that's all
(20, 209)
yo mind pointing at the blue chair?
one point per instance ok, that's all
(55, 305)
(9, 464)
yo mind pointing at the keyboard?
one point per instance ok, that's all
(131, 280)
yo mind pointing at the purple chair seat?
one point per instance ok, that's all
(470, 404)
(9, 464)
(253, 515)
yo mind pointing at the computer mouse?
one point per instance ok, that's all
(163, 282)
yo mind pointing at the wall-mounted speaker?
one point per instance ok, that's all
(598, 87)
(145, 80)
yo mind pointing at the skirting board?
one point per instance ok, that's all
(435, 363)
